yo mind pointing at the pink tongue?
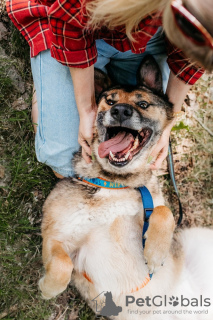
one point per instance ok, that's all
(118, 143)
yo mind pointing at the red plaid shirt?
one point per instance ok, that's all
(60, 25)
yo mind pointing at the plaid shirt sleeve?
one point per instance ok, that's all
(47, 3)
(72, 44)
(60, 25)
(181, 66)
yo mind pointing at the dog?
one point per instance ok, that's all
(94, 234)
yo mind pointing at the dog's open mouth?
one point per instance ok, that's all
(122, 144)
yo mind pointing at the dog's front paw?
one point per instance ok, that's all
(158, 238)
(49, 291)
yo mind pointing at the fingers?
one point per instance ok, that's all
(159, 153)
(161, 156)
(86, 157)
(85, 146)
(86, 150)
(85, 135)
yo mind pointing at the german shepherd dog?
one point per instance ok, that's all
(94, 235)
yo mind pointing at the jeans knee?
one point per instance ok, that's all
(57, 157)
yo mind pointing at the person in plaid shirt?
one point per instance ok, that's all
(64, 51)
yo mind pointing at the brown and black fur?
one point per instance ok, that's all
(99, 231)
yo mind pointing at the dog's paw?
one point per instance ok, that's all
(158, 238)
(154, 256)
(49, 291)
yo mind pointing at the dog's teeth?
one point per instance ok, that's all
(111, 154)
(135, 145)
(127, 155)
(121, 159)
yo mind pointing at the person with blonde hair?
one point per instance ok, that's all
(68, 38)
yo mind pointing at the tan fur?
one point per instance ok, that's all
(98, 232)
(132, 98)
(58, 266)
(162, 226)
(116, 229)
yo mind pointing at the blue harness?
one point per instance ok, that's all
(145, 196)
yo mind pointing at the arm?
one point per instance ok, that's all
(75, 48)
(83, 81)
(176, 91)
(183, 74)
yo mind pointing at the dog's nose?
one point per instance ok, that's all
(121, 112)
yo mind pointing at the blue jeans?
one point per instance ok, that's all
(58, 120)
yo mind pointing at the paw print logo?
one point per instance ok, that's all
(174, 301)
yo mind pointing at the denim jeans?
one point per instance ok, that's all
(58, 120)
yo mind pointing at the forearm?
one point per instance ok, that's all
(176, 91)
(83, 82)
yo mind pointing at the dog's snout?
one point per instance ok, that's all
(121, 112)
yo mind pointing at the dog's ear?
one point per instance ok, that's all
(102, 82)
(149, 74)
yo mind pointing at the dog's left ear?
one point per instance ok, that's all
(149, 74)
(102, 82)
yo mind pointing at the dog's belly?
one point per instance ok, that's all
(113, 256)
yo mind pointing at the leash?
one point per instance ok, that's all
(148, 209)
(172, 175)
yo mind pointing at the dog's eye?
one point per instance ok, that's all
(110, 102)
(143, 104)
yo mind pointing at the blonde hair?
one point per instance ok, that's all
(114, 13)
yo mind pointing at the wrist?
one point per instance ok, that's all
(86, 111)
(170, 126)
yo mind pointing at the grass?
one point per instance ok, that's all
(25, 183)
(24, 187)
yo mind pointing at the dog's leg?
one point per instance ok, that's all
(158, 237)
(58, 266)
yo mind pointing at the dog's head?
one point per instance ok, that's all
(130, 120)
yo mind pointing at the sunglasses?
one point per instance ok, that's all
(190, 26)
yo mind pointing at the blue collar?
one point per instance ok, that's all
(145, 196)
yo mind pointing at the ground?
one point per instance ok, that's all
(25, 183)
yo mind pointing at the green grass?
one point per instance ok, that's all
(24, 185)
(27, 185)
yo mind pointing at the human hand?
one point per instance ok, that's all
(85, 133)
(160, 151)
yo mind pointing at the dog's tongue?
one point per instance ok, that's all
(117, 144)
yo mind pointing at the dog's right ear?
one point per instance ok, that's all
(149, 74)
(102, 82)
